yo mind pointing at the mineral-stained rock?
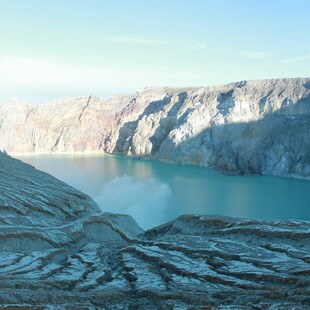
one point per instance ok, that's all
(58, 250)
(249, 127)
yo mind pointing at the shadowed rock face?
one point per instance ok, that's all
(249, 127)
(58, 249)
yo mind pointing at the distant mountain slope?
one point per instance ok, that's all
(248, 127)
(58, 250)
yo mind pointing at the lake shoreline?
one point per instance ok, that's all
(133, 186)
(119, 155)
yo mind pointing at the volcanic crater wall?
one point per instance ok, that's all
(249, 127)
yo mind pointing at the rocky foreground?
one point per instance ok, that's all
(249, 127)
(58, 250)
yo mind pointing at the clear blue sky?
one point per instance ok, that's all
(56, 48)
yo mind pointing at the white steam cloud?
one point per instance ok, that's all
(145, 200)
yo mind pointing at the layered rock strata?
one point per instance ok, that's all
(248, 127)
(58, 250)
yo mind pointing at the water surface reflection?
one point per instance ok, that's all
(154, 192)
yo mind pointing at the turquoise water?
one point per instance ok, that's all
(154, 193)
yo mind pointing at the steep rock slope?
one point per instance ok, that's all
(59, 251)
(246, 127)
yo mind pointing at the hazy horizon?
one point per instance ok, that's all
(59, 49)
(110, 94)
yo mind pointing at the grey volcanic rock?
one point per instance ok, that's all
(249, 127)
(59, 251)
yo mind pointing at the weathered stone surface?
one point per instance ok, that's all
(59, 251)
(246, 127)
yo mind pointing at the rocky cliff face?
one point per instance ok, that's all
(247, 127)
(59, 251)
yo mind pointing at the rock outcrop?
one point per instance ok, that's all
(249, 127)
(59, 251)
